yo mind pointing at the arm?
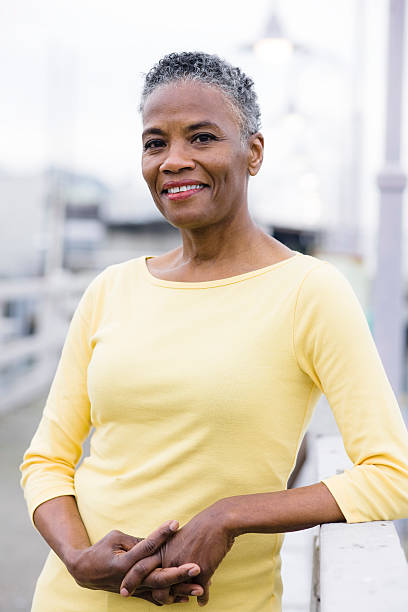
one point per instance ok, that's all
(209, 536)
(335, 349)
(49, 464)
(103, 565)
(280, 511)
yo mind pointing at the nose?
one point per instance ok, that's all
(177, 158)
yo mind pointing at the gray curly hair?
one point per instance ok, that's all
(214, 71)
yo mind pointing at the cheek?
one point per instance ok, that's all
(149, 175)
(146, 172)
(234, 172)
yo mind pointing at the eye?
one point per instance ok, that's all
(203, 138)
(155, 143)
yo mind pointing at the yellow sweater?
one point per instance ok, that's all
(203, 390)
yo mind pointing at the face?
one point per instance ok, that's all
(194, 161)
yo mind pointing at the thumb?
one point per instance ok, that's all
(152, 543)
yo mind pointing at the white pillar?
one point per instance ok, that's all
(388, 288)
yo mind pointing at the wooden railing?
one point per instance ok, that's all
(358, 567)
(27, 362)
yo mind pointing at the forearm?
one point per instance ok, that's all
(280, 511)
(210, 534)
(104, 565)
(59, 522)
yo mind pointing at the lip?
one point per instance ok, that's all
(184, 183)
(182, 195)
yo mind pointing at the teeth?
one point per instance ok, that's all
(183, 188)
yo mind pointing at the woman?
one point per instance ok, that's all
(199, 370)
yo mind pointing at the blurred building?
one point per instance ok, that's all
(22, 210)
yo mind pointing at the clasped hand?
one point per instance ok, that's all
(203, 541)
(160, 568)
(103, 565)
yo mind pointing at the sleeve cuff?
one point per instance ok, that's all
(343, 499)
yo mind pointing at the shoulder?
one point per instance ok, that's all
(326, 296)
(321, 278)
(328, 319)
(112, 279)
(115, 273)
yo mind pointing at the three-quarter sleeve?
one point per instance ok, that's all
(334, 347)
(49, 463)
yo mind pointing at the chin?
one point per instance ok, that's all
(189, 223)
(188, 219)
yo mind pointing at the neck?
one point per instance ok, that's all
(219, 242)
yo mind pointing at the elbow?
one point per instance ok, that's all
(389, 487)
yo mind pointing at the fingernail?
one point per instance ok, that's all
(174, 525)
(194, 571)
(197, 592)
(124, 592)
(184, 599)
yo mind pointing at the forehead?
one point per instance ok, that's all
(189, 102)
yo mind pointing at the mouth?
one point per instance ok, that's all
(182, 191)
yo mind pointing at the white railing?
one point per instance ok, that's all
(357, 567)
(30, 361)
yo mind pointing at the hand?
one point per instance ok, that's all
(204, 540)
(103, 565)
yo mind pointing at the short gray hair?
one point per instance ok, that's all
(211, 70)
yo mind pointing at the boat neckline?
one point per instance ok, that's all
(215, 282)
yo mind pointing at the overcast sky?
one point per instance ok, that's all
(70, 75)
(70, 69)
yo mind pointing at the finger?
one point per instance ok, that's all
(148, 597)
(146, 572)
(163, 596)
(126, 541)
(137, 573)
(152, 543)
(166, 577)
(202, 600)
(188, 589)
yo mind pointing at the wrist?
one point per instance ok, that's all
(229, 509)
(72, 558)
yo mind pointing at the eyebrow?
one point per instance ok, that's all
(157, 131)
(190, 128)
(201, 124)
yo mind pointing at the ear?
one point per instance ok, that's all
(255, 153)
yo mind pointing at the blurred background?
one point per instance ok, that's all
(330, 79)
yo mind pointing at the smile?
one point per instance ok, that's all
(181, 192)
(184, 188)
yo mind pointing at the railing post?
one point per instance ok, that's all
(315, 594)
